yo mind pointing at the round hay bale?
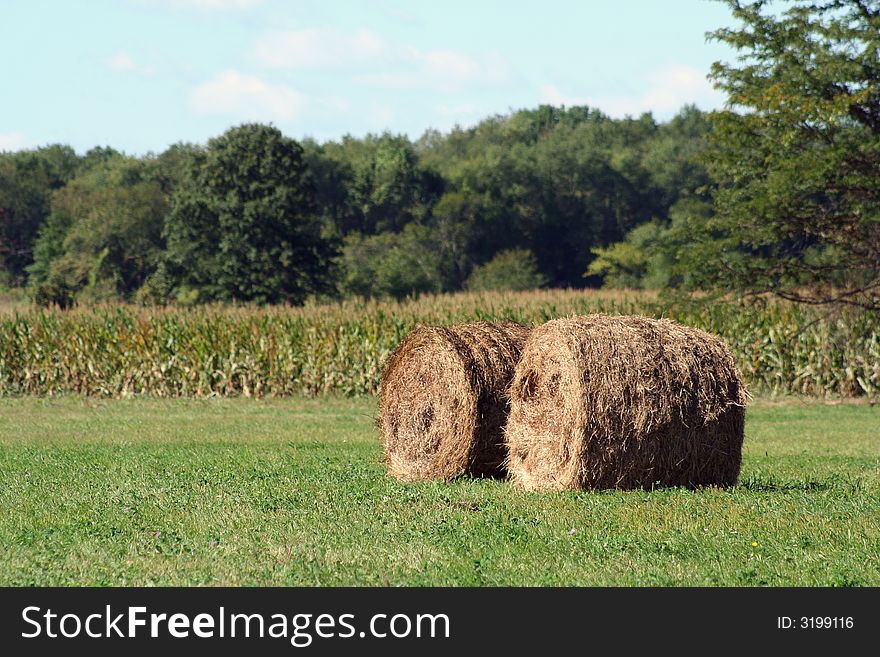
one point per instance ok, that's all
(624, 402)
(443, 400)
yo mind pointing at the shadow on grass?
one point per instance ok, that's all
(772, 485)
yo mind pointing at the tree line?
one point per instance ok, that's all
(517, 201)
(778, 193)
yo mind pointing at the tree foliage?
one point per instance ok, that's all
(392, 264)
(524, 198)
(795, 161)
(103, 236)
(244, 224)
(514, 269)
(27, 181)
(656, 255)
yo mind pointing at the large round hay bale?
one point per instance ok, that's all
(624, 402)
(443, 400)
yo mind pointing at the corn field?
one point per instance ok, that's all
(119, 351)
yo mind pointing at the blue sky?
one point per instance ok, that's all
(140, 75)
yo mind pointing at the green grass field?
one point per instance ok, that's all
(293, 492)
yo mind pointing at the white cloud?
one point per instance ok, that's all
(122, 62)
(446, 116)
(667, 91)
(553, 96)
(200, 5)
(458, 110)
(381, 116)
(377, 62)
(13, 141)
(444, 70)
(675, 86)
(247, 97)
(319, 49)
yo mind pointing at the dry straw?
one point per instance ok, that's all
(442, 402)
(624, 402)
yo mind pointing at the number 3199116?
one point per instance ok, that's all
(815, 622)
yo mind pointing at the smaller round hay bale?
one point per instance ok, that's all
(624, 402)
(443, 400)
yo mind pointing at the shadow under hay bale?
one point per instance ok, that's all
(624, 402)
(443, 403)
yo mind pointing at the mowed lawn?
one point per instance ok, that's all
(293, 492)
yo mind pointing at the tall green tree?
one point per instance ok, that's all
(796, 159)
(244, 224)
